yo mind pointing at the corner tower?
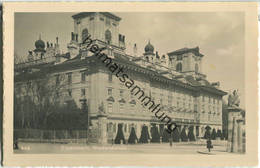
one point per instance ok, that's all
(186, 60)
(103, 26)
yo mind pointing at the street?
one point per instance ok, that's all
(153, 148)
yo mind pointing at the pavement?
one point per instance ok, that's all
(163, 148)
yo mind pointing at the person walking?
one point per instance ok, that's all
(209, 144)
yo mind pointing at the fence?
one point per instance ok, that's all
(53, 136)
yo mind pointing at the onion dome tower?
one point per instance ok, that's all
(149, 52)
(39, 48)
(39, 45)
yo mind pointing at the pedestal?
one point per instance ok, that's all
(233, 133)
(102, 129)
(240, 135)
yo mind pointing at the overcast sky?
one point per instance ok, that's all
(220, 37)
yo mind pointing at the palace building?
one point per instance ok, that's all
(174, 80)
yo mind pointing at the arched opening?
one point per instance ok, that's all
(196, 68)
(179, 67)
(108, 36)
(84, 34)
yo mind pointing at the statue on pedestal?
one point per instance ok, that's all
(101, 109)
(233, 99)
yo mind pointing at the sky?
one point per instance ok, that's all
(219, 35)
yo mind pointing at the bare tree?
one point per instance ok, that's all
(36, 99)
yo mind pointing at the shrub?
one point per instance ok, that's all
(184, 137)
(132, 137)
(219, 134)
(207, 133)
(119, 135)
(213, 134)
(165, 136)
(155, 134)
(176, 135)
(191, 134)
(144, 135)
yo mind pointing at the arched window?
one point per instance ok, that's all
(108, 36)
(196, 68)
(179, 67)
(84, 34)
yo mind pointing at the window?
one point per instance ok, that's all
(69, 78)
(121, 93)
(102, 19)
(179, 67)
(83, 92)
(92, 18)
(70, 92)
(84, 34)
(195, 107)
(109, 91)
(83, 76)
(57, 80)
(108, 36)
(108, 22)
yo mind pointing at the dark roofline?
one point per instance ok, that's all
(85, 14)
(195, 50)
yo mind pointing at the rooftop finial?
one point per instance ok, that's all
(39, 36)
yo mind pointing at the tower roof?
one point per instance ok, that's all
(149, 48)
(85, 14)
(39, 44)
(186, 50)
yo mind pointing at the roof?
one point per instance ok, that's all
(76, 62)
(85, 14)
(186, 50)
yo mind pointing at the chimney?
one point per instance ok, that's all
(76, 37)
(57, 40)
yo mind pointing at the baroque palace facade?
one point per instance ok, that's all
(174, 80)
